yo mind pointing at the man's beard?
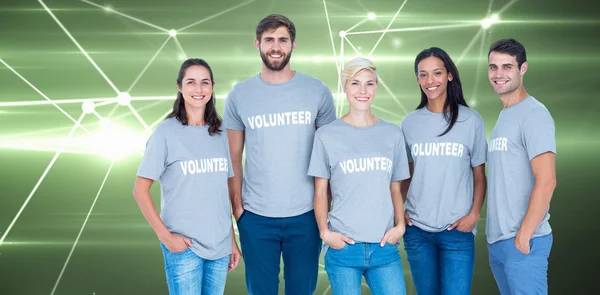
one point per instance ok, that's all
(274, 67)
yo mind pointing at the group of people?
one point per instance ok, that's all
(350, 188)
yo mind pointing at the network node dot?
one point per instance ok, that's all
(124, 98)
(88, 107)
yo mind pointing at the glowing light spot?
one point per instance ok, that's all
(124, 98)
(488, 22)
(88, 107)
(117, 142)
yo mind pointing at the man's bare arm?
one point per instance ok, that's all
(236, 149)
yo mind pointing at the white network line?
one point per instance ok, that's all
(37, 185)
(216, 15)
(82, 228)
(337, 64)
(148, 65)
(340, 99)
(392, 94)
(353, 47)
(48, 100)
(126, 16)
(430, 28)
(79, 46)
(53, 102)
(135, 113)
(98, 101)
(42, 149)
(357, 24)
(180, 47)
(468, 48)
(386, 29)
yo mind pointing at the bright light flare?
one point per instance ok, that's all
(488, 22)
(116, 142)
(88, 107)
(124, 98)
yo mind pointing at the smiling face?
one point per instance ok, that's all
(196, 87)
(433, 77)
(275, 48)
(360, 90)
(504, 73)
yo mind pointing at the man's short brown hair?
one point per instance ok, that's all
(511, 47)
(274, 21)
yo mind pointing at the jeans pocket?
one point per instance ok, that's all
(340, 249)
(514, 246)
(167, 251)
(241, 216)
(395, 245)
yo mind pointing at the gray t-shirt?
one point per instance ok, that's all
(192, 168)
(360, 163)
(522, 132)
(441, 188)
(279, 122)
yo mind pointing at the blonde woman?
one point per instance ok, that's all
(363, 159)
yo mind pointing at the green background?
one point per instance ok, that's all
(118, 253)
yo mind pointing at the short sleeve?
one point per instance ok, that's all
(400, 164)
(406, 147)
(155, 157)
(539, 133)
(479, 149)
(326, 113)
(319, 160)
(231, 116)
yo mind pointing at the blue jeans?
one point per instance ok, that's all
(517, 273)
(265, 240)
(187, 273)
(381, 267)
(442, 262)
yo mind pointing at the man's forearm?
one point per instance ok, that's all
(539, 201)
(479, 189)
(398, 203)
(321, 206)
(235, 189)
(404, 185)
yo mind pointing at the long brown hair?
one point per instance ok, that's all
(211, 117)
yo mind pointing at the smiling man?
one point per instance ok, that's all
(522, 177)
(275, 114)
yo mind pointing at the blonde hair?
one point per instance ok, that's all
(354, 67)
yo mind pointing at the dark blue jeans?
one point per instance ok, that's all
(442, 262)
(265, 240)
